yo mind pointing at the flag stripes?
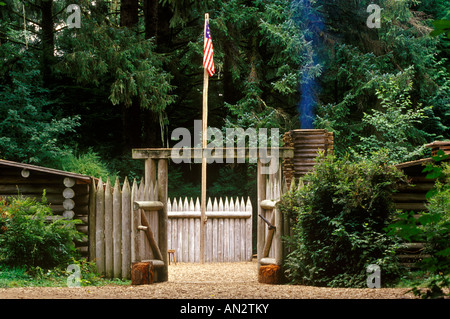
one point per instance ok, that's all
(208, 52)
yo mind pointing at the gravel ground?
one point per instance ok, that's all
(207, 281)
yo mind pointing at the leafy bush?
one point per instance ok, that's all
(339, 214)
(88, 163)
(30, 236)
(393, 128)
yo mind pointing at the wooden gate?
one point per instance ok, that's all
(150, 220)
(270, 221)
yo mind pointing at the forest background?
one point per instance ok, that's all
(80, 98)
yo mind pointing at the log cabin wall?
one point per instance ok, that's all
(67, 193)
(307, 144)
(412, 197)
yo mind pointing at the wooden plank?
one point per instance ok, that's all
(163, 274)
(126, 230)
(197, 240)
(409, 197)
(100, 227)
(261, 195)
(191, 240)
(226, 236)
(181, 239)
(237, 240)
(117, 230)
(92, 220)
(249, 231)
(135, 252)
(220, 241)
(215, 231)
(108, 230)
(410, 206)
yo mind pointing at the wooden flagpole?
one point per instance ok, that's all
(204, 141)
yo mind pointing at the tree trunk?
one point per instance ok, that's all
(48, 42)
(151, 18)
(129, 13)
(164, 34)
(131, 122)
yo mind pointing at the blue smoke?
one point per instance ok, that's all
(312, 25)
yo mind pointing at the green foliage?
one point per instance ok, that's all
(120, 60)
(358, 67)
(394, 126)
(30, 130)
(179, 187)
(433, 228)
(234, 181)
(339, 214)
(278, 57)
(88, 163)
(20, 276)
(29, 238)
(441, 27)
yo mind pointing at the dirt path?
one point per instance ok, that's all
(208, 281)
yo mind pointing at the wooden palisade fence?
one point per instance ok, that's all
(128, 229)
(130, 224)
(228, 230)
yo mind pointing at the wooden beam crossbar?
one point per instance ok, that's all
(214, 153)
(152, 206)
(267, 222)
(269, 238)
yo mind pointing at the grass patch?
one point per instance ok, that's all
(21, 276)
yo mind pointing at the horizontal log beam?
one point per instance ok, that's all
(267, 261)
(268, 204)
(156, 262)
(148, 205)
(192, 153)
(188, 214)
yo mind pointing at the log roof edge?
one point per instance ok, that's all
(84, 178)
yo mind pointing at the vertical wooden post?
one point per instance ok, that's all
(108, 230)
(91, 220)
(126, 230)
(204, 141)
(249, 231)
(261, 188)
(117, 230)
(99, 228)
(163, 273)
(135, 222)
(150, 171)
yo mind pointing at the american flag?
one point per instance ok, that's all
(208, 52)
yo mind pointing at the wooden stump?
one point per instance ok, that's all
(142, 273)
(270, 274)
